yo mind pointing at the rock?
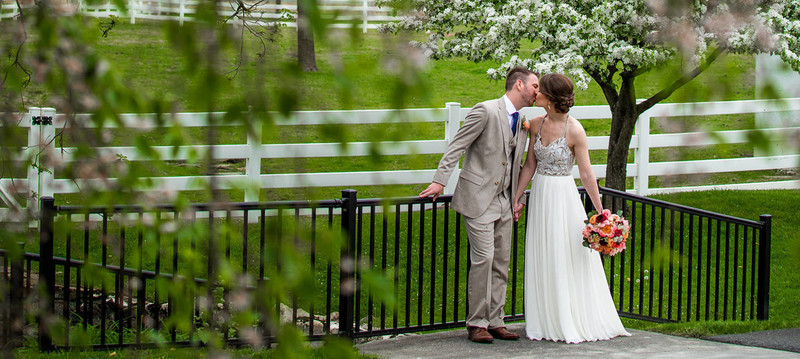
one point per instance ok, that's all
(302, 314)
(286, 313)
(319, 327)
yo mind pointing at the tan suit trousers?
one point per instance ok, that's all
(490, 250)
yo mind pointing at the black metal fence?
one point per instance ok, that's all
(135, 276)
(687, 264)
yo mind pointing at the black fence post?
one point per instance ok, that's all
(47, 273)
(764, 248)
(347, 264)
(17, 287)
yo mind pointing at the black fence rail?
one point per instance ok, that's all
(135, 276)
(686, 264)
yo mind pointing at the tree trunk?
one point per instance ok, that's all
(625, 112)
(623, 118)
(617, 158)
(305, 41)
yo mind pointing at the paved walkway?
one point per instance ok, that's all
(454, 344)
(782, 339)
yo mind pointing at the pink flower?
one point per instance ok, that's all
(606, 232)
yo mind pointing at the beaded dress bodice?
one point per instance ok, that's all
(555, 159)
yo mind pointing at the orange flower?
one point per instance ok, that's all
(593, 220)
(526, 125)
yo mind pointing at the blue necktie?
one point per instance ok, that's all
(514, 116)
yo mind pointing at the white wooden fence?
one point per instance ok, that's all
(364, 14)
(45, 183)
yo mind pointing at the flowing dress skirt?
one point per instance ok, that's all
(566, 292)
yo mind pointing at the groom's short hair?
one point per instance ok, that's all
(518, 73)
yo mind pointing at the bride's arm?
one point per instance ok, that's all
(526, 173)
(581, 150)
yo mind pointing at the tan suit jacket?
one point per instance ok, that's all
(486, 141)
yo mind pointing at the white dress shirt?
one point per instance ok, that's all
(510, 109)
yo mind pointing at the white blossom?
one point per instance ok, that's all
(783, 18)
(576, 36)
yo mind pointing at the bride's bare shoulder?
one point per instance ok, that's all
(537, 120)
(575, 126)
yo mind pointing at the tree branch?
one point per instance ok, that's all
(611, 71)
(609, 91)
(641, 71)
(235, 70)
(646, 104)
(16, 62)
(241, 12)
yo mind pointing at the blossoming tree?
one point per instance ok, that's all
(612, 42)
(783, 17)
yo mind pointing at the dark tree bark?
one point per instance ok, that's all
(623, 119)
(625, 112)
(305, 41)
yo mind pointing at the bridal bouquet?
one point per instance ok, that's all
(606, 232)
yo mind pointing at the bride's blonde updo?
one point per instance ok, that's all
(559, 90)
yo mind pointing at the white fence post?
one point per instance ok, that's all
(450, 128)
(47, 148)
(642, 155)
(132, 10)
(253, 164)
(365, 14)
(41, 136)
(182, 10)
(774, 76)
(33, 149)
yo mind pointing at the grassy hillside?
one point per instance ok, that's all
(368, 79)
(143, 55)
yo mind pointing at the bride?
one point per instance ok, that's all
(566, 293)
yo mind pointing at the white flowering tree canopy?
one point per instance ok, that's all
(608, 41)
(584, 38)
(783, 17)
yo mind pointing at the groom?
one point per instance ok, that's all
(492, 141)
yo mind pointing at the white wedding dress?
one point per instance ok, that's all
(566, 292)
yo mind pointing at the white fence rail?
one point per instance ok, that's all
(44, 122)
(364, 14)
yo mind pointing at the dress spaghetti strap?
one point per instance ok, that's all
(541, 124)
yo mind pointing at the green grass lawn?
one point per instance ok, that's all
(142, 54)
(785, 259)
(145, 60)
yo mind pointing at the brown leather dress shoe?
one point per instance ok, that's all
(503, 333)
(479, 335)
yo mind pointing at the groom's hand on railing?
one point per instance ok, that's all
(434, 189)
